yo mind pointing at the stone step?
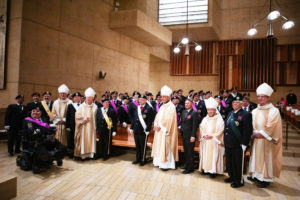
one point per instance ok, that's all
(291, 163)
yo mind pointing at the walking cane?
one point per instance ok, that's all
(144, 155)
(109, 135)
(242, 180)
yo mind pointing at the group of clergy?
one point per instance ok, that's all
(228, 123)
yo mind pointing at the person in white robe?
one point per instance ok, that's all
(85, 130)
(266, 156)
(59, 112)
(211, 141)
(165, 143)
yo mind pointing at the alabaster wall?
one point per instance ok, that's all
(70, 42)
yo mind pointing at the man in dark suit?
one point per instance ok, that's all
(237, 134)
(114, 102)
(150, 101)
(34, 103)
(123, 111)
(179, 108)
(142, 122)
(199, 107)
(106, 128)
(14, 116)
(235, 93)
(181, 97)
(47, 106)
(133, 104)
(291, 98)
(223, 110)
(70, 122)
(247, 105)
(188, 126)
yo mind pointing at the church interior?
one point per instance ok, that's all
(129, 45)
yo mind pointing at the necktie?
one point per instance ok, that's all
(245, 109)
(142, 107)
(78, 104)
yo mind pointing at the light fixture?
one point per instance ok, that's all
(288, 24)
(185, 41)
(273, 14)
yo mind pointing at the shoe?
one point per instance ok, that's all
(164, 170)
(142, 163)
(228, 180)
(104, 158)
(182, 167)
(203, 173)
(213, 175)
(187, 172)
(263, 184)
(10, 154)
(135, 162)
(236, 185)
(251, 179)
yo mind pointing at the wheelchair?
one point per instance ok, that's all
(39, 152)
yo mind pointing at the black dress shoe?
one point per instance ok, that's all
(182, 167)
(187, 172)
(164, 170)
(236, 185)
(213, 175)
(10, 154)
(142, 163)
(228, 180)
(136, 162)
(263, 184)
(203, 173)
(251, 179)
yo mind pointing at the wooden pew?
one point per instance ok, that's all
(125, 139)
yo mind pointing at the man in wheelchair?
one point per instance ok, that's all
(40, 148)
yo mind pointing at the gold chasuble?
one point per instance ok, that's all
(59, 111)
(165, 143)
(85, 132)
(266, 157)
(212, 150)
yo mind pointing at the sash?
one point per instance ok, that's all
(135, 103)
(101, 102)
(107, 119)
(125, 108)
(141, 118)
(49, 113)
(75, 106)
(178, 118)
(114, 106)
(234, 128)
(149, 103)
(38, 122)
(157, 107)
(194, 107)
(223, 103)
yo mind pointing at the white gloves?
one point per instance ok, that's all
(179, 127)
(131, 131)
(68, 129)
(6, 127)
(243, 147)
(114, 134)
(124, 124)
(147, 133)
